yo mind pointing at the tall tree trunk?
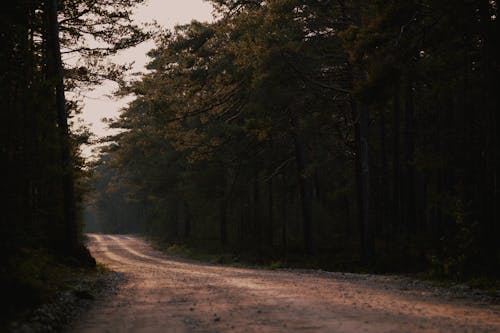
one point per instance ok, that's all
(489, 189)
(385, 227)
(270, 213)
(353, 13)
(284, 229)
(257, 214)
(410, 197)
(56, 72)
(366, 227)
(396, 170)
(223, 223)
(187, 220)
(176, 221)
(304, 187)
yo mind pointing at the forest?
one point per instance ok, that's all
(344, 135)
(337, 134)
(46, 54)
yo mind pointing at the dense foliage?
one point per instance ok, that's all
(353, 131)
(44, 174)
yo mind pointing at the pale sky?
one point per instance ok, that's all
(167, 13)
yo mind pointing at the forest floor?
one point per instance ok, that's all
(167, 294)
(55, 297)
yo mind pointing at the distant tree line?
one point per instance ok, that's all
(357, 131)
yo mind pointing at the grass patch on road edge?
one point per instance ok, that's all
(488, 285)
(34, 277)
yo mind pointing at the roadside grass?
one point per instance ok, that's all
(486, 284)
(265, 259)
(32, 277)
(334, 261)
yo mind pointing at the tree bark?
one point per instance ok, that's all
(187, 220)
(56, 73)
(304, 188)
(270, 214)
(384, 188)
(410, 197)
(396, 170)
(367, 232)
(223, 222)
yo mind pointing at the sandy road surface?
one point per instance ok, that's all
(163, 294)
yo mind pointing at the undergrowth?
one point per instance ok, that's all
(32, 277)
(408, 264)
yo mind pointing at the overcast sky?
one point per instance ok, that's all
(167, 13)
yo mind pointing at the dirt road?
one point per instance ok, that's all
(163, 294)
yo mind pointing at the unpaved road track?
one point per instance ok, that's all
(163, 294)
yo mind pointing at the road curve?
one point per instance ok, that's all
(163, 294)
